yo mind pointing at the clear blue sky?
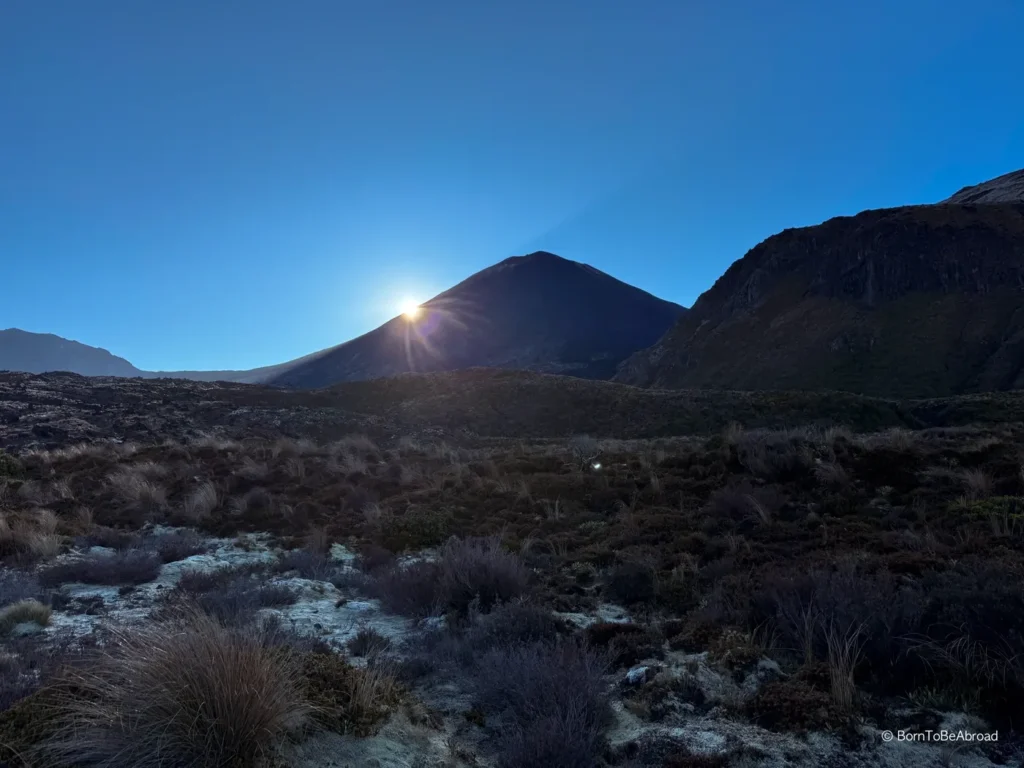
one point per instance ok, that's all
(234, 183)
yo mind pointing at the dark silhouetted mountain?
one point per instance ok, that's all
(1008, 188)
(538, 312)
(915, 301)
(42, 352)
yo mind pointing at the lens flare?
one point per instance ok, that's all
(410, 309)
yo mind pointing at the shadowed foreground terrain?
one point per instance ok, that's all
(368, 575)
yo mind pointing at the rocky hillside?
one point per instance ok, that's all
(538, 312)
(919, 301)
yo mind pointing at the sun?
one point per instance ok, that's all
(410, 309)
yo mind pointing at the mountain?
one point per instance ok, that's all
(538, 312)
(41, 352)
(1008, 188)
(917, 301)
(44, 352)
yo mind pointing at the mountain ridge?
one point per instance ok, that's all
(538, 312)
(913, 301)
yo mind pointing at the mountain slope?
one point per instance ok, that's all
(920, 301)
(41, 352)
(1008, 188)
(538, 312)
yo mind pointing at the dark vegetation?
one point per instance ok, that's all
(876, 569)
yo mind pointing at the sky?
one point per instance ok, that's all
(231, 184)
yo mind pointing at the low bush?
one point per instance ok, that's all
(178, 545)
(554, 693)
(310, 564)
(347, 699)
(631, 583)
(625, 643)
(792, 705)
(473, 571)
(231, 595)
(10, 466)
(409, 590)
(480, 571)
(130, 567)
(102, 536)
(16, 586)
(367, 642)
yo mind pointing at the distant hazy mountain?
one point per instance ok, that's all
(41, 352)
(917, 301)
(538, 312)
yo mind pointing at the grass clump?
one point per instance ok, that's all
(368, 642)
(23, 612)
(198, 694)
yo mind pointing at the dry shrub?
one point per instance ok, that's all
(978, 483)
(347, 699)
(177, 545)
(196, 693)
(200, 503)
(130, 567)
(30, 540)
(473, 571)
(553, 694)
(831, 474)
(584, 450)
(137, 490)
(368, 642)
(480, 570)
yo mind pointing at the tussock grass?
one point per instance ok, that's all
(199, 504)
(134, 487)
(198, 694)
(22, 612)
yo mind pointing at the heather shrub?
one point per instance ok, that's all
(10, 466)
(130, 567)
(480, 571)
(473, 571)
(551, 696)
(310, 563)
(102, 536)
(230, 595)
(631, 583)
(177, 545)
(16, 586)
